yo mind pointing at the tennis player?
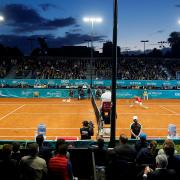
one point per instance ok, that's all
(138, 101)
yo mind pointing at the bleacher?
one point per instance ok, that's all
(84, 158)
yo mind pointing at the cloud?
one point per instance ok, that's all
(46, 6)
(25, 19)
(23, 42)
(160, 31)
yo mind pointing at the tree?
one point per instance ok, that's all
(43, 45)
(174, 41)
(155, 53)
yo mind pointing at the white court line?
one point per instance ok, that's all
(174, 112)
(11, 112)
(150, 128)
(55, 113)
(157, 114)
(78, 128)
(36, 128)
(41, 104)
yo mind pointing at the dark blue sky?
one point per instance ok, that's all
(60, 21)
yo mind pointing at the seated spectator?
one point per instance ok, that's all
(161, 172)
(125, 151)
(8, 166)
(16, 151)
(147, 155)
(118, 169)
(60, 166)
(168, 148)
(44, 152)
(170, 152)
(142, 143)
(33, 167)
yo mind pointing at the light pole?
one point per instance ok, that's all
(162, 44)
(92, 20)
(144, 41)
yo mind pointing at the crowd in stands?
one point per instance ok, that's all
(141, 160)
(6, 65)
(80, 68)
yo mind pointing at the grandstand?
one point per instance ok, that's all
(36, 90)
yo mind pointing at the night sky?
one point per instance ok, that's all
(60, 22)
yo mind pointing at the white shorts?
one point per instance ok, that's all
(137, 102)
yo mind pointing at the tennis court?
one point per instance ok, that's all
(19, 118)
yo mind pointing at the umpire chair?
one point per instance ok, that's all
(106, 112)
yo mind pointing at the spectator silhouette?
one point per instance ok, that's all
(44, 152)
(33, 167)
(8, 166)
(16, 154)
(142, 143)
(125, 151)
(161, 172)
(60, 166)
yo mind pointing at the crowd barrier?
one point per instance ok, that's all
(37, 92)
(64, 93)
(59, 82)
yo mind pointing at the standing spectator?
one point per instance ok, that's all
(60, 166)
(16, 151)
(135, 128)
(33, 167)
(125, 151)
(44, 152)
(8, 166)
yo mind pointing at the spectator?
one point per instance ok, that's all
(170, 152)
(142, 143)
(8, 166)
(100, 152)
(125, 151)
(60, 166)
(168, 148)
(161, 171)
(59, 143)
(44, 152)
(16, 151)
(147, 155)
(33, 167)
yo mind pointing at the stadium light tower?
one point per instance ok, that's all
(144, 41)
(92, 21)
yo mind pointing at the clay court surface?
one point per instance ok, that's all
(19, 118)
